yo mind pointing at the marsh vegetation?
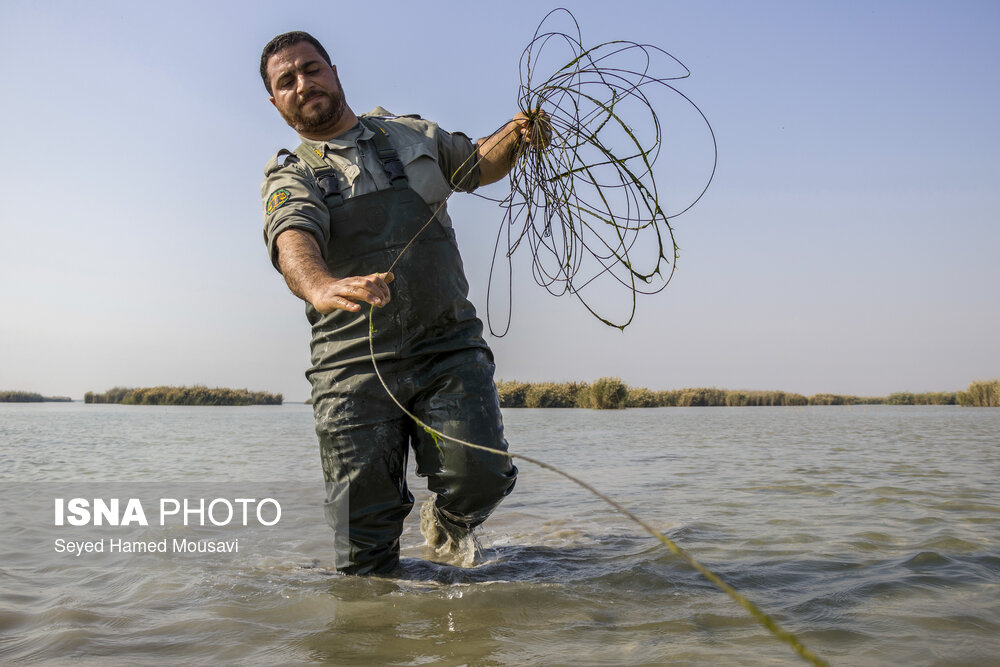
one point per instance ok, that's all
(612, 393)
(30, 397)
(981, 394)
(196, 395)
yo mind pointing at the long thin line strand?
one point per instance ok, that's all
(561, 227)
(739, 598)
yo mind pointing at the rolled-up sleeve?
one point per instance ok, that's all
(292, 200)
(458, 160)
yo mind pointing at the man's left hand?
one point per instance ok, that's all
(535, 128)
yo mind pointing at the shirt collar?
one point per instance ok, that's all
(347, 141)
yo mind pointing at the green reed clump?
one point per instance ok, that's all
(926, 398)
(613, 393)
(981, 394)
(512, 393)
(554, 395)
(840, 399)
(603, 394)
(937, 398)
(20, 397)
(196, 395)
(666, 398)
(113, 395)
(701, 397)
(737, 398)
(901, 398)
(755, 398)
(828, 399)
(607, 393)
(640, 397)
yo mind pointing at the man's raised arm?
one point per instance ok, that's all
(497, 152)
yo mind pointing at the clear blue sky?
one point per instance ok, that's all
(848, 244)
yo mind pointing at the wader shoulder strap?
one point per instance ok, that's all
(326, 176)
(387, 155)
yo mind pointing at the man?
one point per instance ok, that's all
(358, 196)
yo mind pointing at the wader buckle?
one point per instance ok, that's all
(331, 190)
(393, 168)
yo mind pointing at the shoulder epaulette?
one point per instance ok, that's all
(276, 162)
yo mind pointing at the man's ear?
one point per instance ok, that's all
(272, 101)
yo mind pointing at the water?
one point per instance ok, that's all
(871, 532)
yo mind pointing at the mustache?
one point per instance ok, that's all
(313, 95)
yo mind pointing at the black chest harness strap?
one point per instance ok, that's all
(326, 175)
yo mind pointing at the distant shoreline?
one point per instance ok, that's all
(196, 395)
(612, 393)
(605, 393)
(31, 397)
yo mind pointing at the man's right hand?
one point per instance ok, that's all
(349, 293)
(309, 278)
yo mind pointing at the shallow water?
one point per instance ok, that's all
(871, 532)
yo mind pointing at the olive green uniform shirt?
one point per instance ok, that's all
(436, 162)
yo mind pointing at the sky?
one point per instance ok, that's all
(847, 244)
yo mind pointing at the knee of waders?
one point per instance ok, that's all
(468, 499)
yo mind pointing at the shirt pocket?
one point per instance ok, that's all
(423, 173)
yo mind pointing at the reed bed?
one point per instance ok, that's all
(981, 394)
(613, 393)
(196, 395)
(30, 397)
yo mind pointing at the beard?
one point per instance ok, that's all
(326, 113)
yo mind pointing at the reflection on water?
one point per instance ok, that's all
(872, 532)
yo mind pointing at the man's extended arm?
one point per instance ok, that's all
(309, 278)
(497, 152)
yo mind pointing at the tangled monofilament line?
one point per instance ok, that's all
(552, 208)
(587, 206)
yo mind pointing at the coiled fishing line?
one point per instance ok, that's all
(588, 210)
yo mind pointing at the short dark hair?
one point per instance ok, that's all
(283, 41)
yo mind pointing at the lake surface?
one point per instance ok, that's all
(872, 532)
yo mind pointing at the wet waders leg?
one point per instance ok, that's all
(460, 399)
(367, 498)
(429, 346)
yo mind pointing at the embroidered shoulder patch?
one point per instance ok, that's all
(277, 198)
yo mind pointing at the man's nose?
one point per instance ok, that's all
(302, 84)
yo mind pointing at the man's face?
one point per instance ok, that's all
(305, 89)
